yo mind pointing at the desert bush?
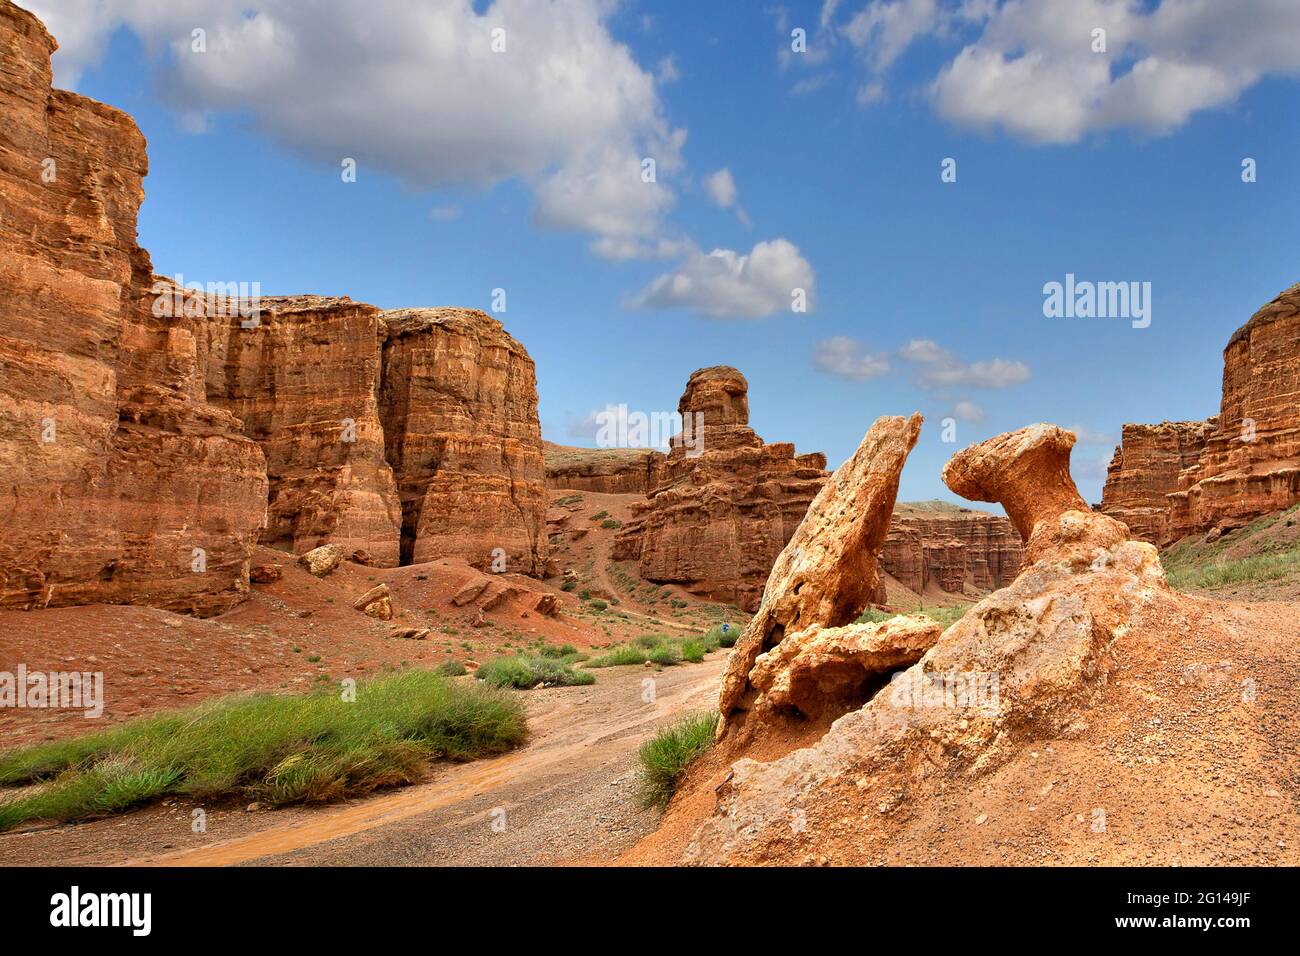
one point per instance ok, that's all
(519, 671)
(665, 756)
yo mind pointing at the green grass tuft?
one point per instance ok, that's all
(268, 747)
(665, 757)
(524, 672)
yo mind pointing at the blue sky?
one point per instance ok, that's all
(1119, 166)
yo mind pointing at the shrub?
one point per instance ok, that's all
(723, 638)
(523, 673)
(665, 655)
(273, 748)
(568, 585)
(556, 651)
(693, 651)
(598, 605)
(665, 757)
(450, 669)
(611, 523)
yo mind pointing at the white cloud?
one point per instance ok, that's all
(721, 188)
(667, 71)
(444, 213)
(969, 412)
(848, 358)
(415, 90)
(727, 284)
(1027, 67)
(585, 427)
(940, 368)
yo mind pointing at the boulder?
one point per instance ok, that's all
(376, 603)
(323, 560)
(265, 573)
(470, 592)
(547, 605)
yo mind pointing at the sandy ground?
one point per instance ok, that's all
(566, 796)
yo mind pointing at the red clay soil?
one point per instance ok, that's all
(155, 660)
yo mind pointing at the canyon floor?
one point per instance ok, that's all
(565, 797)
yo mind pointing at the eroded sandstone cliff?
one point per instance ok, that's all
(302, 380)
(1167, 487)
(714, 521)
(610, 471)
(124, 484)
(957, 550)
(458, 403)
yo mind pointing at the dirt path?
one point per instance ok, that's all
(566, 796)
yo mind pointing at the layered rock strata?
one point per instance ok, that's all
(615, 471)
(722, 503)
(458, 405)
(124, 484)
(1249, 462)
(302, 380)
(957, 550)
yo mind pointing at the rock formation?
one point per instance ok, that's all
(458, 403)
(615, 471)
(958, 550)
(1250, 461)
(1019, 666)
(146, 429)
(715, 520)
(826, 574)
(1151, 463)
(125, 485)
(302, 381)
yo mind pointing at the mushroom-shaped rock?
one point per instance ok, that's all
(827, 572)
(1028, 473)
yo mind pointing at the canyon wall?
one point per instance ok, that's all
(1249, 464)
(458, 403)
(957, 550)
(149, 435)
(614, 471)
(124, 485)
(1152, 462)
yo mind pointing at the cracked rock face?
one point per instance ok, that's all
(1020, 665)
(826, 574)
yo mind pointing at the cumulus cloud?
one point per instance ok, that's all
(940, 368)
(968, 412)
(721, 187)
(1028, 67)
(416, 90)
(848, 358)
(728, 284)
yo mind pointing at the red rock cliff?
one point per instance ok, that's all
(123, 484)
(955, 549)
(458, 402)
(302, 380)
(1250, 464)
(715, 522)
(614, 471)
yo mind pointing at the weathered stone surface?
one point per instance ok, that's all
(1166, 488)
(547, 605)
(458, 402)
(302, 380)
(470, 592)
(958, 550)
(265, 573)
(1020, 666)
(376, 603)
(826, 574)
(833, 667)
(715, 521)
(410, 633)
(321, 561)
(616, 471)
(124, 485)
(1152, 462)
(1028, 472)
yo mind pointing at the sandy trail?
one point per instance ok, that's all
(564, 797)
